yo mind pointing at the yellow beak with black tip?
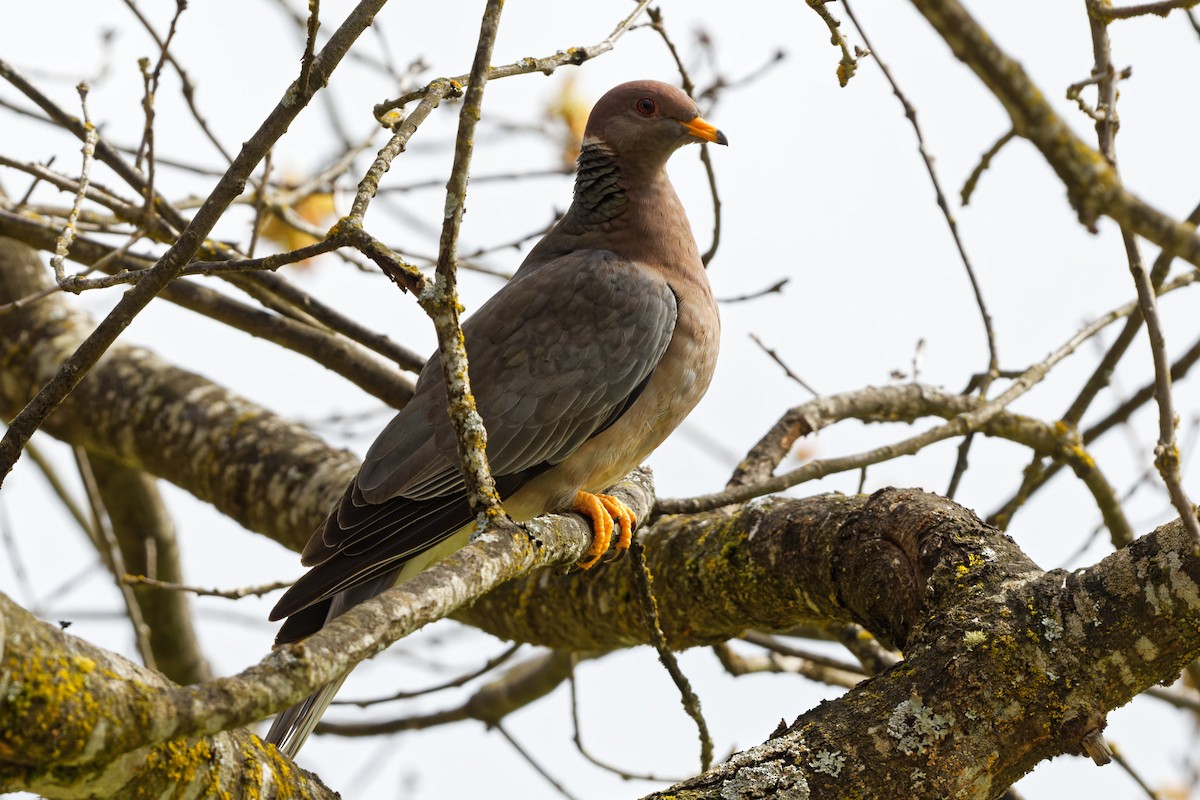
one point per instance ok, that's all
(702, 130)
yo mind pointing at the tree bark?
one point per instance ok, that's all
(1005, 666)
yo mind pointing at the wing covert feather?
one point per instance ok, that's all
(553, 354)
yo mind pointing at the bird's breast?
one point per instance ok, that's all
(673, 389)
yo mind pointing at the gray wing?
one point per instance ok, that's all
(555, 356)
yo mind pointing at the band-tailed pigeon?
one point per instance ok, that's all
(581, 365)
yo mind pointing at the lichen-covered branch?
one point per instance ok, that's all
(62, 687)
(63, 695)
(1005, 665)
(440, 297)
(997, 638)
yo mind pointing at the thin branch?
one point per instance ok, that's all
(187, 87)
(774, 288)
(1036, 475)
(331, 352)
(993, 366)
(63, 243)
(737, 664)
(577, 738)
(531, 761)
(523, 684)
(786, 369)
(110, 553)
(546, 65)
(960, 425)
(985, 161)
(848, 65)
(1093, 187)
(228, 594)
(691, 703)
(190, 240)
(440, 300)
(768, 642)
(1107, 13)
(50, 473)
(453, 683)
(310, 43)
(1167, 450)
(656, 23)
(1124, 764)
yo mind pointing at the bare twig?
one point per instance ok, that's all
(199, 591)
(786, 369)
(188, 88)
(260, 203)
(546, 65)
(461, 680)
(531, 761)
(656, 22)
(737, 664)
(903, 403)
(577, 738)
(190, 240)
(1166, 452)
(110, 553)
(150, 91)
(310, 43)
(63, 244)
(1118, 757)
(691, 703)
(524, 683)
(60, 490)
(1038, 474)
(1092, 186)
(1099, 113)
(440, 299)
(848, 65)
(1107, 13)
(985, 161)
(993, 364)
(774, 288)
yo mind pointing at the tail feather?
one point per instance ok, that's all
(292, 727)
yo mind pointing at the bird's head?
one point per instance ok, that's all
(643, 122)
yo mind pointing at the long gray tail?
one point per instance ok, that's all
(293, 726)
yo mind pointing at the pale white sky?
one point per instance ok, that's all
(820, 184)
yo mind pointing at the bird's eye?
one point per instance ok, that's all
(646, 106)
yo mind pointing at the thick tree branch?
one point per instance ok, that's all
(1005, 665)
(63, 687)
(996, 639)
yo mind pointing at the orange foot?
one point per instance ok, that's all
(604, 510)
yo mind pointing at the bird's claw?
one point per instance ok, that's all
(606, 513)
